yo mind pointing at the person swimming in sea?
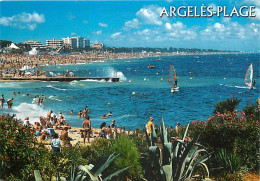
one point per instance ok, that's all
(104, 116)
(110, 113)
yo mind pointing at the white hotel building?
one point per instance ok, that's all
(76, 42)
(54, 43)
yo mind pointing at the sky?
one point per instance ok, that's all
(130, 24)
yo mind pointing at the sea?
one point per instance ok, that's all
(203, 80)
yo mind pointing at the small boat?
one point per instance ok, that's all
(172, 79)
(158, 59)
(249, 77)
(151, 66)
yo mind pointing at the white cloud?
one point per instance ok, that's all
(132, 24)
(252, 2)
(103, 25)
(144, 32)
(98, 32)
(219, 27)
(257, 13)
(84, 21)
(146, 16)
(178, 25)
(214, 7)
(231, 31)
(115, 34)
(150, 15)
(179, 31)
(23, 20)
(73, 33)
(168, 26)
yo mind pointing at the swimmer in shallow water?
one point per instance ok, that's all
(104, 116)
(110, 113)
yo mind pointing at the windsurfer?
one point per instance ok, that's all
(175, 83)
(253, 84)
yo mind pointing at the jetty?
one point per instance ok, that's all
(60, 79)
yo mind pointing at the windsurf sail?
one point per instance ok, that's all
(249, 76)
(172, 79)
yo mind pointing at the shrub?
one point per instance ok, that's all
(17, 148)
(129, 156)
(235, 132)
(228, 105)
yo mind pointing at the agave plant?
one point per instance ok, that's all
(178, 160)
(89, 172)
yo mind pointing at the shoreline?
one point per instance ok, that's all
(75, 134)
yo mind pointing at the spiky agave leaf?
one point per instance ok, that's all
(153, 137)
(106, 164)
(181, 164)
(164, 135)
(149, 141)
(101, 163)
(186, 131)
(167, 170)
(37, 175)
(91, 175)
(190, 161)
(115, 174)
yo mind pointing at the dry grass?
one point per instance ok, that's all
(251, 177)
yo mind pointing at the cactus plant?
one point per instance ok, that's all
(89, 172)
(177, 160)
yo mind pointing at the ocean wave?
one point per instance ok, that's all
(33, 111)
(239, 87)
(55, 98)
(73, 82)
(94, 80)
(52, 86)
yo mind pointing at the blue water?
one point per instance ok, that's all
(203, 81)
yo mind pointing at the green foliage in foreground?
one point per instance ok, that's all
(88, 172)
(235, 132)
(228, 105)
(129, 156)
(178, 160)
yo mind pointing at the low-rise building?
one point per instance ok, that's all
(35, 44)
(98, 46)
(54, 43)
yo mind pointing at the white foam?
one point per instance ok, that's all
(114, 73)
(93, 80)
(239, 87)
(52, 86)
(73, 82)
(54, 98)
(33, 111)
(121, 76)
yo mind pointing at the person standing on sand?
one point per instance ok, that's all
(103, 130)
(177, 128)
(49, 115)
(55, 143)
(113, 125)
(2, 101)
(65, 137)
(109, 132)
(86, 125)
(149, 126)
